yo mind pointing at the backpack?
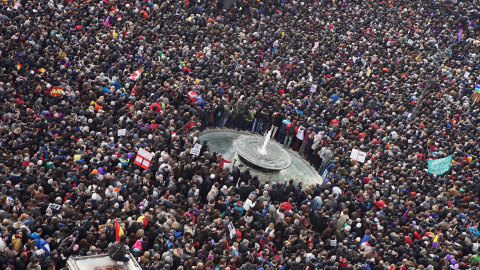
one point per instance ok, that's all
(26, 254)
(291, 130)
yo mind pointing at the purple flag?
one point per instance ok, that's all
(472, 23)
(431, 15)
(459, 34)
(107, 22)
(406, 214)
(344, 3)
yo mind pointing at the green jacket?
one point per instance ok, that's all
(249, 116)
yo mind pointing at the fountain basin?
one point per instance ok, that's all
(248, 148)
(221, 141)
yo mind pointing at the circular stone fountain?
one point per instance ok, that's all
(223, 141)
(261, 154)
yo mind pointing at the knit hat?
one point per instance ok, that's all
(95, 171)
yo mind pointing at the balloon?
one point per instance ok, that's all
(448, 257)
(456, 266)
(100, 170)
(414, 223)
(129, 155)
(453, 261)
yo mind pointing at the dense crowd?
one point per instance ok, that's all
(326, 77)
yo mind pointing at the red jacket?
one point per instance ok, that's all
(286, 205)
(221, 162)
(190, 124)
(159, 107)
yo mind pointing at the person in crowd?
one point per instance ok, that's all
(87, 85)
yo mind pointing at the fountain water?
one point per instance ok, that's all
(258, 152)
(263, 150)
(276, 165)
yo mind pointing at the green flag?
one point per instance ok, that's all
(439, 166)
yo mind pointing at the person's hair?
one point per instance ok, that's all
(140, 233)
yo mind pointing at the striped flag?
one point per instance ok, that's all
(57, 91)
(136, 75)
(18, 66)
(477, 88)
(118, 230)
(41, 70)
(435, 240)
(408, 115)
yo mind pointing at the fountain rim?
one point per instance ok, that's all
(241, 153)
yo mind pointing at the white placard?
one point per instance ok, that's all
(139, 159)
(354, 154)
(358, 155)
(361, 156)
(122, 132)
(231, 229)
(313, 89)
(410, 42)
(54, 206)
(466, 74)
(145, 154)
(196, 149)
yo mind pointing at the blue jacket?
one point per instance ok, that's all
(36, 237)
(45, 246)
(316, 203)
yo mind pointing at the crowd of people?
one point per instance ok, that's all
(325, 77)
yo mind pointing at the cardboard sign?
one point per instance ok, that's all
(143, 158)
(122, 132)
(100, 227)
(196, 149)
(313, 89)
(476, 97)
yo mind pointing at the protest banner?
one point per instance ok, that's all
(313, 89)
(439, 166)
